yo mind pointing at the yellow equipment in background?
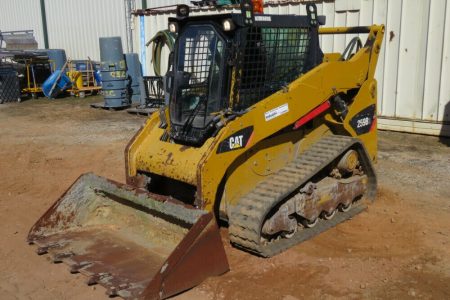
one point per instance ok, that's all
(37, 70)
(83, 80)
(263, 131)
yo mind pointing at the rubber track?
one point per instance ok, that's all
(247, 217)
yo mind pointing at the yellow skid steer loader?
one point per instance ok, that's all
(263, 131)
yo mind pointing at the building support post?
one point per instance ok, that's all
(44, 24)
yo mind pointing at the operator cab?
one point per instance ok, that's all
(223, 64)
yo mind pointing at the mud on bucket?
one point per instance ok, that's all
(135, 244)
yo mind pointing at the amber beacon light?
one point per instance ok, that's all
(258, 6)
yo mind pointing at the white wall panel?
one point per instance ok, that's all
(433, 60)
(22, 15)
(380, 8)
(413, 46)
(444, 94)
(328, 40)
(340, 20)
(392, 42)
(365, 16)
(352, 20)
(77, 25)
(348, 5)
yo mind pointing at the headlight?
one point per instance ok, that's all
(173, 27)
(228, 25)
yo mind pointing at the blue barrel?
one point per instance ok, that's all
(98, 77)
(62, 83)
(134, 73)
(113, 73)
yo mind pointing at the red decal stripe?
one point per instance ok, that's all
(312, 114)
(374, 123)
(249, 139)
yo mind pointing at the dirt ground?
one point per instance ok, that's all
(398, 249)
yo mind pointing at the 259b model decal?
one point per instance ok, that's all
(362, 121)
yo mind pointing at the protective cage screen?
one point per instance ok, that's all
(271, 59)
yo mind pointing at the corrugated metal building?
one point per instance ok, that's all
(71, 25)
(413, 70)
(77, 25)
(22, 15)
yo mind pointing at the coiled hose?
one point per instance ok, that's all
(161, 39)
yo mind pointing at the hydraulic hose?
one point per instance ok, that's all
(161, 39)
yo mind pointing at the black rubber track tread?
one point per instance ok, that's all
(247, 217)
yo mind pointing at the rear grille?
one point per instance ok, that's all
(270, 59)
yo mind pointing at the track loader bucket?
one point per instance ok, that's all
(136, 244)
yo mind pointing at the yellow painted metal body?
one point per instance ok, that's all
(222, 179)
(76, 78)
(31, 87)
